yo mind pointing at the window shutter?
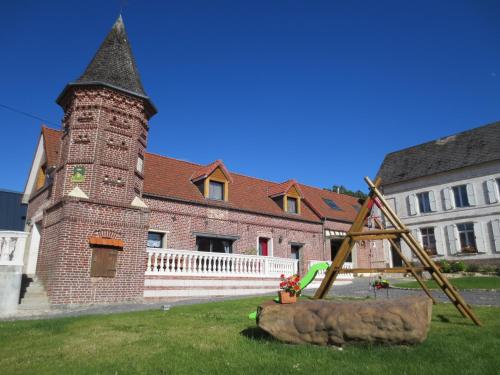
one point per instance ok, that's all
(448, 198)
(492, 191)
(411, 204)
(478, 233)
(432, 201)
(453, 241)
(471, 194)
(440, 246)
(417, 235)
(495, 225)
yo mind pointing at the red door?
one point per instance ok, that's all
(263, 246)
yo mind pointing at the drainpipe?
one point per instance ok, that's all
(323, 221)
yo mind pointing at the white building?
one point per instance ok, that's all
(447, 192)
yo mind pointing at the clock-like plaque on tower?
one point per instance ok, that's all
(78, 174)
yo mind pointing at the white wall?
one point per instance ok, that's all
(484, 211)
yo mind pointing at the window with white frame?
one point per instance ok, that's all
(461, 197)
(467, 237)
(424, 203)
(156, 240)
(428, 239)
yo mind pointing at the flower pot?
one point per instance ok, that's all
(286, 297)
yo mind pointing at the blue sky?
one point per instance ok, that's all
(318, 91)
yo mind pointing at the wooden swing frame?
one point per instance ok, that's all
(400, 231)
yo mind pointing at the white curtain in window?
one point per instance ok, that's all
(216, 190)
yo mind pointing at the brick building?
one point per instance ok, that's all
(110, 222)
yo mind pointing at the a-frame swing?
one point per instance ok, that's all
(356, 233)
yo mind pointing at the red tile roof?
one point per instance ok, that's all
(171, 178)
(51, 139)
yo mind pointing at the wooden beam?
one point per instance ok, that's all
(375, 237)
(377, 232)
(382, 270)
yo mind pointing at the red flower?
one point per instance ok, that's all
(282, 276)
(296, 288)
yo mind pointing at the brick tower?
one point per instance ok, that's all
(93, 247)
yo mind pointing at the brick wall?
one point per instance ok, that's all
(182, 220)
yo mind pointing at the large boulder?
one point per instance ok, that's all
(320, 322)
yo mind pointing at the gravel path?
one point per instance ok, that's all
(360, 288)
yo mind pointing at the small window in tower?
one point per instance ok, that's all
(140, 164)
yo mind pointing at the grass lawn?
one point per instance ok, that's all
(469, 282)
(217, 338)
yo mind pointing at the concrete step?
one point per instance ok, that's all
(34, 297)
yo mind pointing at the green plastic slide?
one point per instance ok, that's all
(306, 280)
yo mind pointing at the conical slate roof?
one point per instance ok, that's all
(113, 65)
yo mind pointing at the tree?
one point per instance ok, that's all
(343, 190)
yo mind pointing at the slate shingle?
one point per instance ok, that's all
(471, 147)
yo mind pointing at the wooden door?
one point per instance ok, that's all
(263, 246)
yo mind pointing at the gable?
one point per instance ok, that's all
(293, 192)
(218, 175)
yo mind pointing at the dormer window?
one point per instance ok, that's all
(292, 205)
(287, 196)
(216, 190)
(213, 181)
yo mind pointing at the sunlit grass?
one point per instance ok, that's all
(217, 338)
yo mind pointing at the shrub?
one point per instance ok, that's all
(457, 267)
(472, 267)
(487, 269)
(497, 271)
(444, 266)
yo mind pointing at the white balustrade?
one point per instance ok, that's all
(199, 263)
(342, 276)
(12, 245)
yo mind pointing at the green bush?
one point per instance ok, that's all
(487, 269)
(444, 266)
(497, 271)
(457, 267)
(472, 267)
